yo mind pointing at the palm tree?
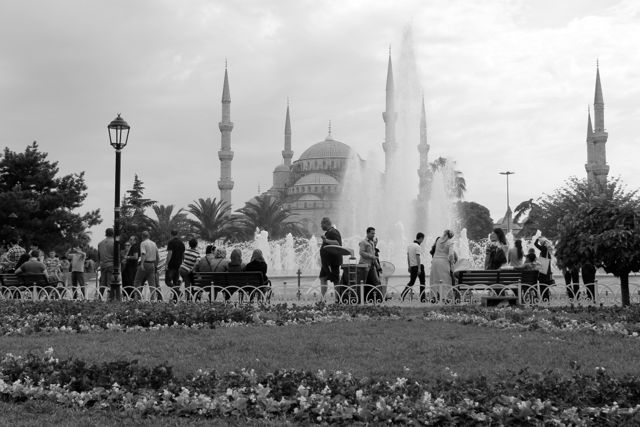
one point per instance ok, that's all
(165, 222)
(532, 213)
(212, 218)
(265, 212)
(455, 178)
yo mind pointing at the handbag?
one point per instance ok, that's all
(544, 265)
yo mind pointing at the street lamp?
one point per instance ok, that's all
(507, 173)
(118, 138)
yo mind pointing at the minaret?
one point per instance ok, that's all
(225, 154)
(389, 116)
(596, 167)
(287, 154)
(424, 172)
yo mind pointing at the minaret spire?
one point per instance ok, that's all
(225, 184)
(389, 116)
(596, 167)
(287, 153)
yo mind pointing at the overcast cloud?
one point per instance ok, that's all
(506, 86)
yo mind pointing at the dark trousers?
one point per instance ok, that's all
(172, 279)
(415, 272)
(77, 279)
(572, 280)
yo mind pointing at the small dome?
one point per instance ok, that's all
(282, 168)
(316, 179)
(329, 148)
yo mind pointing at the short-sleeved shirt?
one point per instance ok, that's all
(189, 260)
(14, 253)
(177, 249)
(150, 250)
(77, 262)
(105, 252)
(413, 250)
(33, 266)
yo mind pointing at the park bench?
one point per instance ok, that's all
(251, 283)
(498, 281)
(16, 283)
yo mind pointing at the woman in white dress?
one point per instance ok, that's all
(440, 279)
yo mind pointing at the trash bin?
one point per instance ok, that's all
(353, 285)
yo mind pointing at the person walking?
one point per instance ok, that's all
(329, 263)
(416, 268)
(105, 262)
(175, 256)
(148, 268)
(368, 257)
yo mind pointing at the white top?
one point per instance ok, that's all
(413, 250)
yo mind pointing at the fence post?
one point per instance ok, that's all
(299, 274)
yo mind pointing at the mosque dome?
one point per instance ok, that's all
(309, 198)
(329, 148)
(317, 179)
(282, 168)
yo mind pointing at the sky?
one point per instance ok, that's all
(506, 86)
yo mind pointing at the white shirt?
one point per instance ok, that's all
(149, 250)
(413, 250)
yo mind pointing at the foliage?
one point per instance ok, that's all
(212, 218)
(166, 222)
(457, 185)
(475, 218)
(532, 214)
(38, 205)
(323, 397)
(133, 219)
(603, 230)
(265, 212)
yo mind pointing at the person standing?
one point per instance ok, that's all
(54, 269)
(515, 256)
(416, 268)
(13, 255)
(545, 277)
(368, 257)
(440, 278)
(189, 261)
(175, 255)
(105, 259)
(131, 262)
(77, 257)
(330, 263)
(148, 268)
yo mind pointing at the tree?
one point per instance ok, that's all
(532, 214)
(212, 218)
(456, 184)
(38, 205)
(475, 218)
(166, 222)
(265, 212)
(599, 225)
(133, 219)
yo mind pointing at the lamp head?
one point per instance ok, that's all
(118, 133)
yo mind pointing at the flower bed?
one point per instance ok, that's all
(27, 317)
(624, 321)
(522, 398)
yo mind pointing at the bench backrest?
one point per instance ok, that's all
(229, 279)
(504, 277)
(11, 279)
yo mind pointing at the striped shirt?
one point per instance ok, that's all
(189, 260)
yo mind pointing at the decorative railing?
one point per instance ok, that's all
(535, 295)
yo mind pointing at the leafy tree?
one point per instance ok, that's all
(38, 205)
(475, 218)
(212, 218)
(165, 222)
(457, 185)
(266, 213)
(532, 214)
(603, 229)
(133, 219)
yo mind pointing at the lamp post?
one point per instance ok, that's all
(507, 173)
(118, 138)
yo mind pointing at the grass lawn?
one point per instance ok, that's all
(380, 348)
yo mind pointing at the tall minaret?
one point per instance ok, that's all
(424, 172)
(287, 154)
(225, 154)
(596, 167)
(389, 116)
